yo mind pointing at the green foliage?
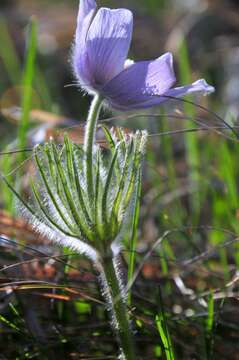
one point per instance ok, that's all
(27, 84)
(11, 64)
(61, 198)
(165, 337)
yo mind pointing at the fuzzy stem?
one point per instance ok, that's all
(89, 143)
(118, 307)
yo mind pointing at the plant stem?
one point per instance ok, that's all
(113, 292)
(89, 140)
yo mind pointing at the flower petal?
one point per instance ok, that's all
(86, 12)
(108, 42)
(81, 68)
(200, 86)
(139, 83)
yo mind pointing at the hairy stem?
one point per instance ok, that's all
(89, 140)
(115, 299)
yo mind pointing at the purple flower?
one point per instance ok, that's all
(99, 60)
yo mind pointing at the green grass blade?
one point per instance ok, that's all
(210, 317)
(161, 326)
(209, 338)
(192, 147)
(9, 58)
(9, 323)
(27, 83)
(8, 54)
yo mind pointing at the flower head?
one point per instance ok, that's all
(100, 63)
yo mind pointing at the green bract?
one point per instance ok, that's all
(67, 211)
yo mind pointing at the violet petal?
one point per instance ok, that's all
(140, 82)
(108, 42)
(199, 86)
(87, 9)
(80, 62)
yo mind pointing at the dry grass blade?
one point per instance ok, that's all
(41, 285)
(14, 227)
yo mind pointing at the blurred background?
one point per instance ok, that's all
(209, 27)
(190, 182)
